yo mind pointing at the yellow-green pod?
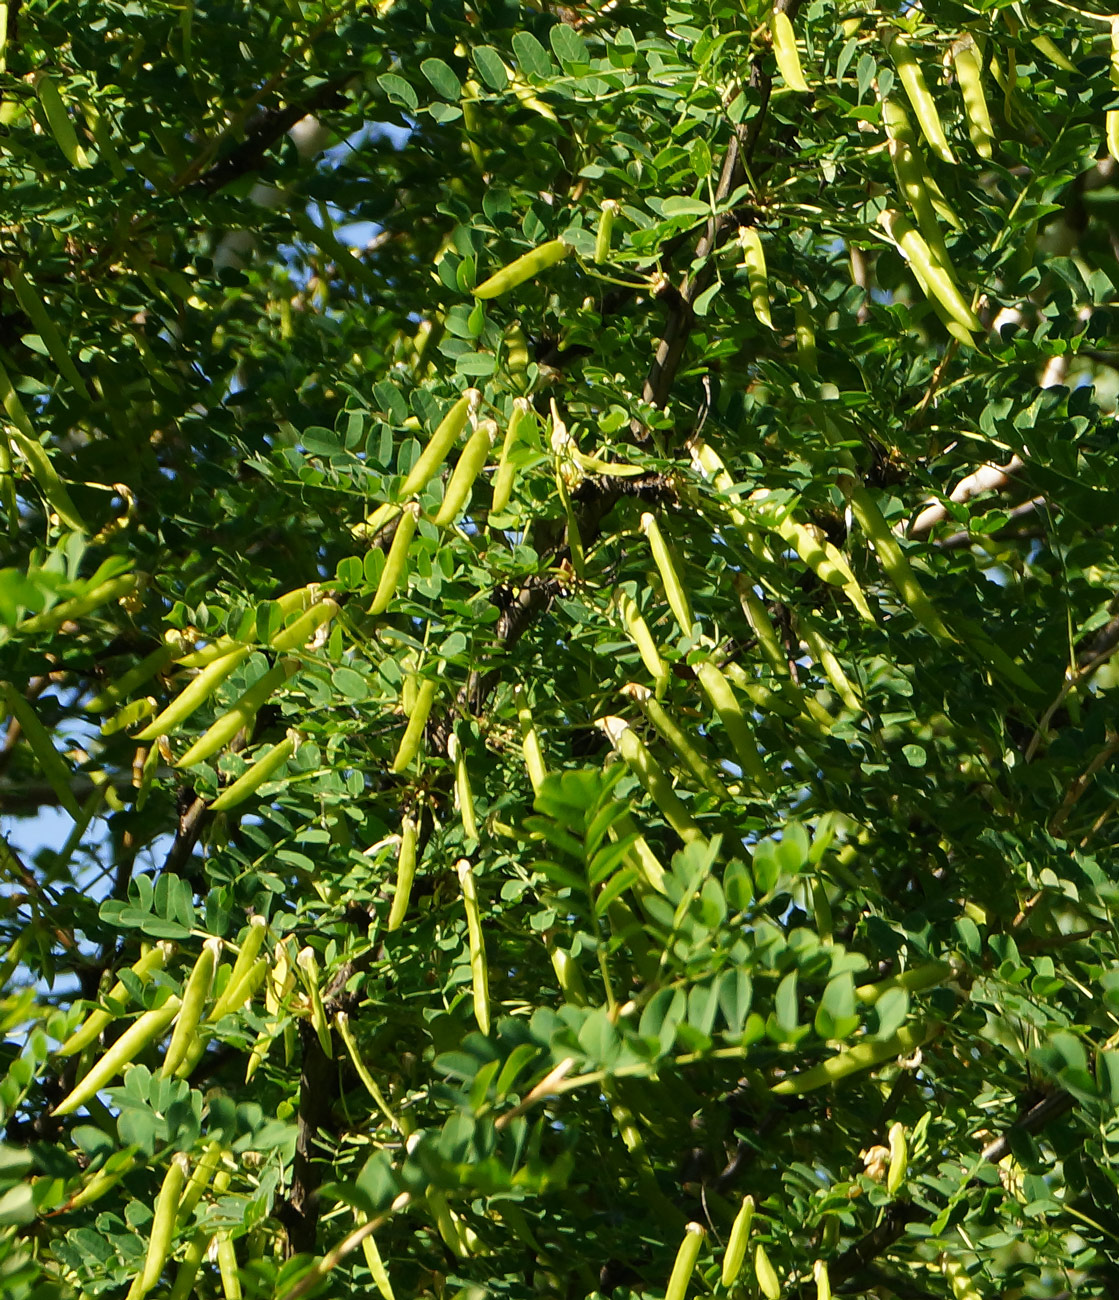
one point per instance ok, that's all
(464, 796)
(469, 465)
(785, 49)
(1046, 45)
(115, 1168)
(54, 767)
(413, 733)
(479, 968)
(768, 1282)
(958, 1280)
(913, 178)
(245, 963)
(568, 976)
(103, 138)
(98, 1020)
(227, 1267)
(572, 534)
(297, 634)
(530, 744)
(753, 259)
(684, 1265)
(312, 983)
(893, 560)
(442, 440)
(260, 772)
(145, 1030)
(46, 476)
(59, 122)
(36, 309)
(1112, 116)
(642, 638)
(396, 561)
(405, 874)
(605, 230)
(70, 611)
(805, 337)
(652, 776)
(735, 1253)
(113, 693)
(721, 694)
(376, 1267)
(239, 717)
(342, 1024)
(899, 1159)
(523, 268)
(640, 856)
(913, 83)
(686, 749)
(195, 994)
(823, 1282)
(914, 980)
(864, 1056)
(183, 1286)
(933, 276)
(670, 576)
(506, 472)
(969, 73)
(163, 1227)
(819, 649)
(203, 1171)
(195, 694)
(758, 617)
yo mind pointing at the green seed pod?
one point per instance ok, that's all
(250, 781)
(753, 259)
(640, 856)
(785, 48)
(893, 560)
(142, 1032)
(819, 649)
(523, 268)
(914, 980)
(464, 796)
(204, 1170)
(246, 959)
(195, 694)
(239, 717)
(114, 692)
(605, 230)
(163, 1227)
(376, 1267)
(768, 1283)
(479, 968)
(227, 1267)
(685, 1262)
(312, 983)
(721, 694)
(114, 1169)
(670, 576)
(469, 466)
(640, 635)
(54, 767)
(568, 976)
(36, 309)
(913, 179)
(805, 337)
(530, 743)
(98, 1020)
(958, 1280)
(342, 1024)
(969, 73)
(195, 994)
(59, 122)
(686, 749)
(899, 1159)
(735, 1252)
(652, 776)
(935, 279)
(396, 562)
(506, 472)
(854, 1060)
(183, 1286)
(442, 440)
(823, 1282)
(297, 634)
(758, 617)
(413, 733)
(405, 873)
(23, 437)
(913, 83)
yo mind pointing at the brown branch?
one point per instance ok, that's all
(987, 478)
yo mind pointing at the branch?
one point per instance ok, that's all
(986, 478)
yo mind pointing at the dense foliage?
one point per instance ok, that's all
(691, 778)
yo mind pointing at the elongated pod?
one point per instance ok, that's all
(479, 967)
(753, 259)
(969, 73)
(670, 575)
(931, 274)
(469, 466)
(899, 1159)
(464, 796)
(58, 119)
(195, 694)
(684, 1264)
(413, 733)
(144, 1030)
(195, 994)
(246, 961)
(854, 1060)
(642, 638)
(652, 776)
(442, 440)
(530, 743)
(405, 874)
(913, 83)
(721, 694)
(768, 1282)
(163, 1227)
(523, 268)
(506, 471)
(605, 230)
(396, 561)
(785, 49)
(240, 716)
(685, 746)
(735, 1253)
(257, 775)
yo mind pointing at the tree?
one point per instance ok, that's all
(560, 568)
